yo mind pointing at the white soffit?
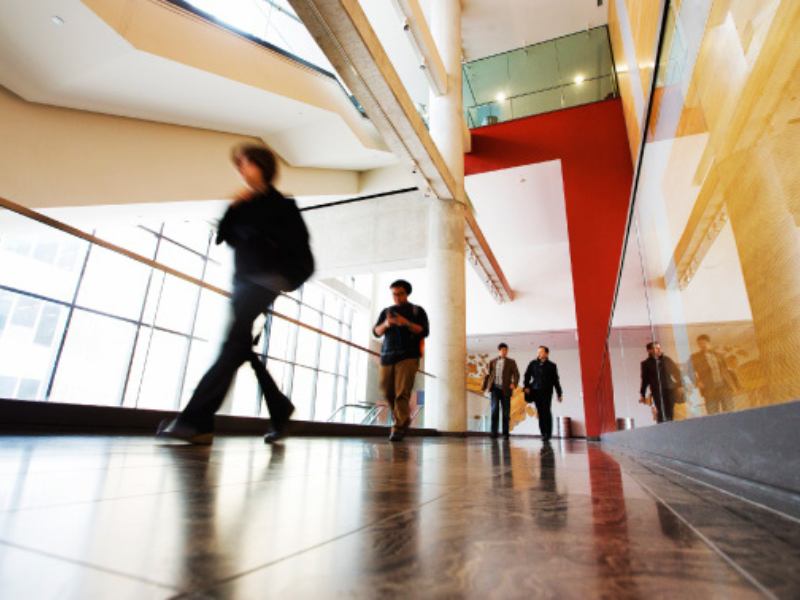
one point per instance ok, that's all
(522, 213)
(494, 26)
(85, 64)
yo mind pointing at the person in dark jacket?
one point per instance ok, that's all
(541, 378)
(663, 377)
(271, 254)
(403, 326)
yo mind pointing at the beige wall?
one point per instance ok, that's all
(53, 156)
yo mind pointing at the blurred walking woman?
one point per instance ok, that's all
(271, 254)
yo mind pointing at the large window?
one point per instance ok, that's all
(83, 324)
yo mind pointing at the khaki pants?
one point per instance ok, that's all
(396, 383)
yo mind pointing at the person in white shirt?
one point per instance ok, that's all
(501, 381)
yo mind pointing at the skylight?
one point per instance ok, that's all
(273, 21)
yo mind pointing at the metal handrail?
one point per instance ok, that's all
(70, 230)
(372, 414)
(349, 405)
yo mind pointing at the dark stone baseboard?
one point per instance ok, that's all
(19, 416)
(761, 445)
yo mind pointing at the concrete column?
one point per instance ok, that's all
(446, 396)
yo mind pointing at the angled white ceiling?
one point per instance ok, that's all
(523, 216)
(493, 26)
(86, 64)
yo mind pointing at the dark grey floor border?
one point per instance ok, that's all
(20, 416)
(760, 445)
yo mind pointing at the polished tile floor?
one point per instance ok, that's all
(128, 517)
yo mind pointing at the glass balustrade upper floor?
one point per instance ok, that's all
(568, 71)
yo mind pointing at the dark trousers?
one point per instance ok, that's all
(247, 303)
(498, 399)
(665, 405)
(543, 402)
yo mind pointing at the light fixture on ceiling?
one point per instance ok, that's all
(579, 79)
(501, 97)
(57, 20)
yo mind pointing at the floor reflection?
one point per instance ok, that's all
(432, 517)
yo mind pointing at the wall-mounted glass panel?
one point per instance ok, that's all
(712, 265)
(568, 71)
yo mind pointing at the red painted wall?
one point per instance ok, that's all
(592, 143)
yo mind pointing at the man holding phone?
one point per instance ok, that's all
(403, 326)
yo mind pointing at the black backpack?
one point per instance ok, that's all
(297, 261)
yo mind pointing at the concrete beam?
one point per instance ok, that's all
(343, 32)
(416, 27)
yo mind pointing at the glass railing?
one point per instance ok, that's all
(568, 71)
(135, 323)
(710, 270)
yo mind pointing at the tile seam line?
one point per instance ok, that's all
(726, 492)
(22, 509)
(88, 565)
(10, 511)
(655, 456)
(150, 494)
(705, 539)
(318, 545)
(297, 553)
(699, 496)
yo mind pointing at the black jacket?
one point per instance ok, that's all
(662, 376)
(541, 377)
(400, 343)
(268, 235)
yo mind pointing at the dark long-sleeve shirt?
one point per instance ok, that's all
(268, 235)
(400, 343)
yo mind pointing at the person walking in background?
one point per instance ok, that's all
(500, 381)
(713, 378)
(663, 377)
(541, 378)
(271, 254)
(403, 326)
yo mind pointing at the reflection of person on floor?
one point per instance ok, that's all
(709, 371)
(552, 510)
(271, 254)
(403, 326)
(663, 377)
(672, 527)
(500, 381)
(541, 378)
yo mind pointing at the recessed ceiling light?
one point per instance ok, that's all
(501, 97)
(57, 20)
(579, 79)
